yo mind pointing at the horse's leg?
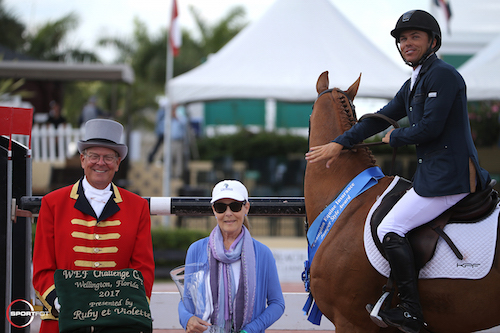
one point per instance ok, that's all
(342, 277)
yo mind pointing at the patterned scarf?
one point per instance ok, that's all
(232, 311)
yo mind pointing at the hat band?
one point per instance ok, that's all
(102, 140)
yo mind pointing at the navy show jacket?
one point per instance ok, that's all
(447, 160)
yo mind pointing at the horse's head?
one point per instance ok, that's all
(333, 114)
(333, 111)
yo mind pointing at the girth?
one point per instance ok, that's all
(473, 208)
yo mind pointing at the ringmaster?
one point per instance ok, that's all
(92, 224)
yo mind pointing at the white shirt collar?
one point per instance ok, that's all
(96, 197)
(414, 75)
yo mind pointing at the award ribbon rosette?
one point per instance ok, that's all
(114, 301)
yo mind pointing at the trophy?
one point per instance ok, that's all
(193, 283)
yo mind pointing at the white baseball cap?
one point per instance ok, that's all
(229, 189)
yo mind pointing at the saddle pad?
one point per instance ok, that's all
(476, 242)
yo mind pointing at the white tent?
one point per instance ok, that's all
(481, 73)
(281, 55)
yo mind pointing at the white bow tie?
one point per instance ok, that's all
(97, 195)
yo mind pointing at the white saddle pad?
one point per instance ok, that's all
(476, 242)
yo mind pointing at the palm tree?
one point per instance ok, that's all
(213, 38)
(12, 29)
(147, 54)
(48, 42)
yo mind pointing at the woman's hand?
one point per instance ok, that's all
(329, 151)
(196, 325)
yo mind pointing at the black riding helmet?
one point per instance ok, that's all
(418, 20)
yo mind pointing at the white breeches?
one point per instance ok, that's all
(413, 210)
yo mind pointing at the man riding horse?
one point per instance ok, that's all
(434, 100)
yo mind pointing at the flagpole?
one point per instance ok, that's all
(167, 122)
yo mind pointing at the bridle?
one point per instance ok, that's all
(353, 108)
(368, 115)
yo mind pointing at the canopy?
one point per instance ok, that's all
(281, 56)
(481, 73)
(59, 71)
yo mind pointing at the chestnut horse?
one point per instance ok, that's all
(342, 280)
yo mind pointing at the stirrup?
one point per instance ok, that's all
(375, 309)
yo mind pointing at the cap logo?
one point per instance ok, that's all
(226, 188)
(407, 16)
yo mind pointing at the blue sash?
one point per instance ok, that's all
(324, 222)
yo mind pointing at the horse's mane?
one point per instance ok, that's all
(348, 120)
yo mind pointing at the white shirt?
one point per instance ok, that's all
(414, 75)
(96, 197)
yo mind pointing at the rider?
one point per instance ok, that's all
(434, 100)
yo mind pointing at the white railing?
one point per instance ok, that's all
(51, 144)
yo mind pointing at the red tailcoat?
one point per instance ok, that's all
(70, 236)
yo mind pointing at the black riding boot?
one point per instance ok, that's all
(407, 316)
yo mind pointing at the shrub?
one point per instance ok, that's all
(244, 145)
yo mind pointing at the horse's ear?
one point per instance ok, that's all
(322, 83)
(353, 89)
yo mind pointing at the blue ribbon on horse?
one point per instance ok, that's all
(324, 222)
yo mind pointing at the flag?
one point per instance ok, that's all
(445, 6)
(175, 36)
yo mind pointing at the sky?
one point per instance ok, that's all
(99, 18)
(373, 18)
(114, 18)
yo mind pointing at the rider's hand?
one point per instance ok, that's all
(328, 151)
(387, 137)
(196, 325)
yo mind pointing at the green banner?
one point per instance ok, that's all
(114, 301)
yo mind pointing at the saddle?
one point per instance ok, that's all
(471, 209)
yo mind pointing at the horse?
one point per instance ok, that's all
(342, 280)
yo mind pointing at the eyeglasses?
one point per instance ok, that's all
(235, 206)
(94, 158)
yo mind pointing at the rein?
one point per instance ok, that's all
(368, 115)
(390, 121)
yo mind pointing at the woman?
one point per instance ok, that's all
(235, 262)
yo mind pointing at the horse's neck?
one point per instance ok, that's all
(350, 164)
(324, 184)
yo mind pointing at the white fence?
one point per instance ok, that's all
(51, 144)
